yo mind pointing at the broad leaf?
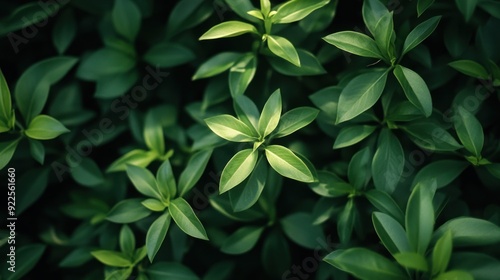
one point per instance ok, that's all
(373, 11)
(245, 196)
(270, 116)
(385, 203)
(156, 234)
(241, 74)
(104, 62)
(468, 231)
(170, 270)
(442, 253)
(388, 162)
(185, 218)
(296, 10)
(193, 171)
(415, 89)
(139, 158)
(419, 220)
(309, 65)
(165, 180)
(168, 55)
(391, 233)
(351, 135)
(442, 172)
(111, 258)
(355, 43)
(298, 227)
(423, 5)
(128, 211)
(230, 128)
(420, 33)
(127, 240)
(294, 120)
(283, 48)
(237, 169)
(44, 127)
(467, 7)
(216, 65)
(431, 136)
(470, 68)
(126, 18)
(287, 164)
(359, 170)
(242, 240)
(144, 181)
(26, 259)
(7, 150)
(412, 261)
(228, 29)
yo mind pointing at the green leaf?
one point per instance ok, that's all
(388, 162)
(165, 180)
(128, 211)
(270, 117)
(247, 112)
(360, 94)
(391, 233)
(137, 157)
(419, 220)
(32, 88)
(76, 258)
(365, 264)
(443, 172)
(355, 43)
(330, 185)
(415, 89)
(237, 169)
(26, 15)
(351, 135)
(186, 220)
(359, 170)
(126, 18)
(481, 266)
(6, 113)
(442, 253)
(431, 136)
(187, 14)
(168, 55)
(467, 7)
(156, 234)
(468, 231)
(287, 164)
(216, 64)
(455, 274)
(299, 228)
(44, 127)
(296, 10)
(241, 74)
(26, 258)
(104, 62)
(294, 120)
(144, 181)
(170, 270)
(265, 7)
(7, 150)
(87, 173)
(275, 255)
(309, 65)
(385, 203)
(153, 133)
(420, 33)
(470, 68)
(373, 11)
(423, 5)
(384, 35)
(228, 29)
(220, 271)
(127, 240)
(283, 48)
(193, 171)
(242, 240)
(230, 128)
(346, 220)
(245, 196)
(153, 204)
(412, 261)
(36, 181)
(111, 258)
(119, 274)
(37, 150)
(64, 31)
(114, 86)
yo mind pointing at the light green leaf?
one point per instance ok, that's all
(245, 196)
(467, 7)
(154, 204)
(391, 233)
(44, 127)
(470, 68)
(419, 220)
(388, 162)
(193, 171)
(228, 29)
(127, 240)
(442, 253)
(128, 211)
(299, 228)
(165, 180)
(186, 220)
(32, 88)
(270, 117)
(468, 231)
(442, 172)
(455, 275)
(111, 258)
(287, 164)
(242, 240)
(420, 33)
(241, 74)
(137, 157)
(365, 264)
(294, 120)
(168, 55)
(355, 43)
(360, 94)
(385, 203)
(126, 18)
(216, 65)
(144, 181)
(423, 5)
(415, 89)
(156, 234)
(64, 31)
(104, 62)
(283, 48)
(230, 128)
(237, 169)
(296, 10)
(351, 135)
(412, 261)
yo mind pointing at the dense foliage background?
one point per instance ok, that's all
(239, 139)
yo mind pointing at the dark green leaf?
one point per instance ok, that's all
(346, 220)
(127, 240)
(423, 5)
(241, 74)
(156, 234)
(128, 211)
(245, 196)
(388, 162)
(481, 266)
(309, 65)
(216, 64)
(442, 253)
(359, 170)
(420, 32)
(193, 171)
(373, 11)
(385, 203)
(87, 173)
(111, 258)
(294, 120)
(298, 227)
(64, 31)
(126, 18)
(467, 7)
(330, 185)
(26, 258)
(35, 182)
(144, 181)
(470, 68)
(455, 274)
(170, 270)
(242, 240)
(168, 55)
(351, 135)
(468, 231)
(37, 150)
(391, 233)
(104, 62)
(431, 136)
(443, 172)
(355, 43)
(415, 89)
(419, 220)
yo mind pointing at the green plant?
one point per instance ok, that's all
(313, 139)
